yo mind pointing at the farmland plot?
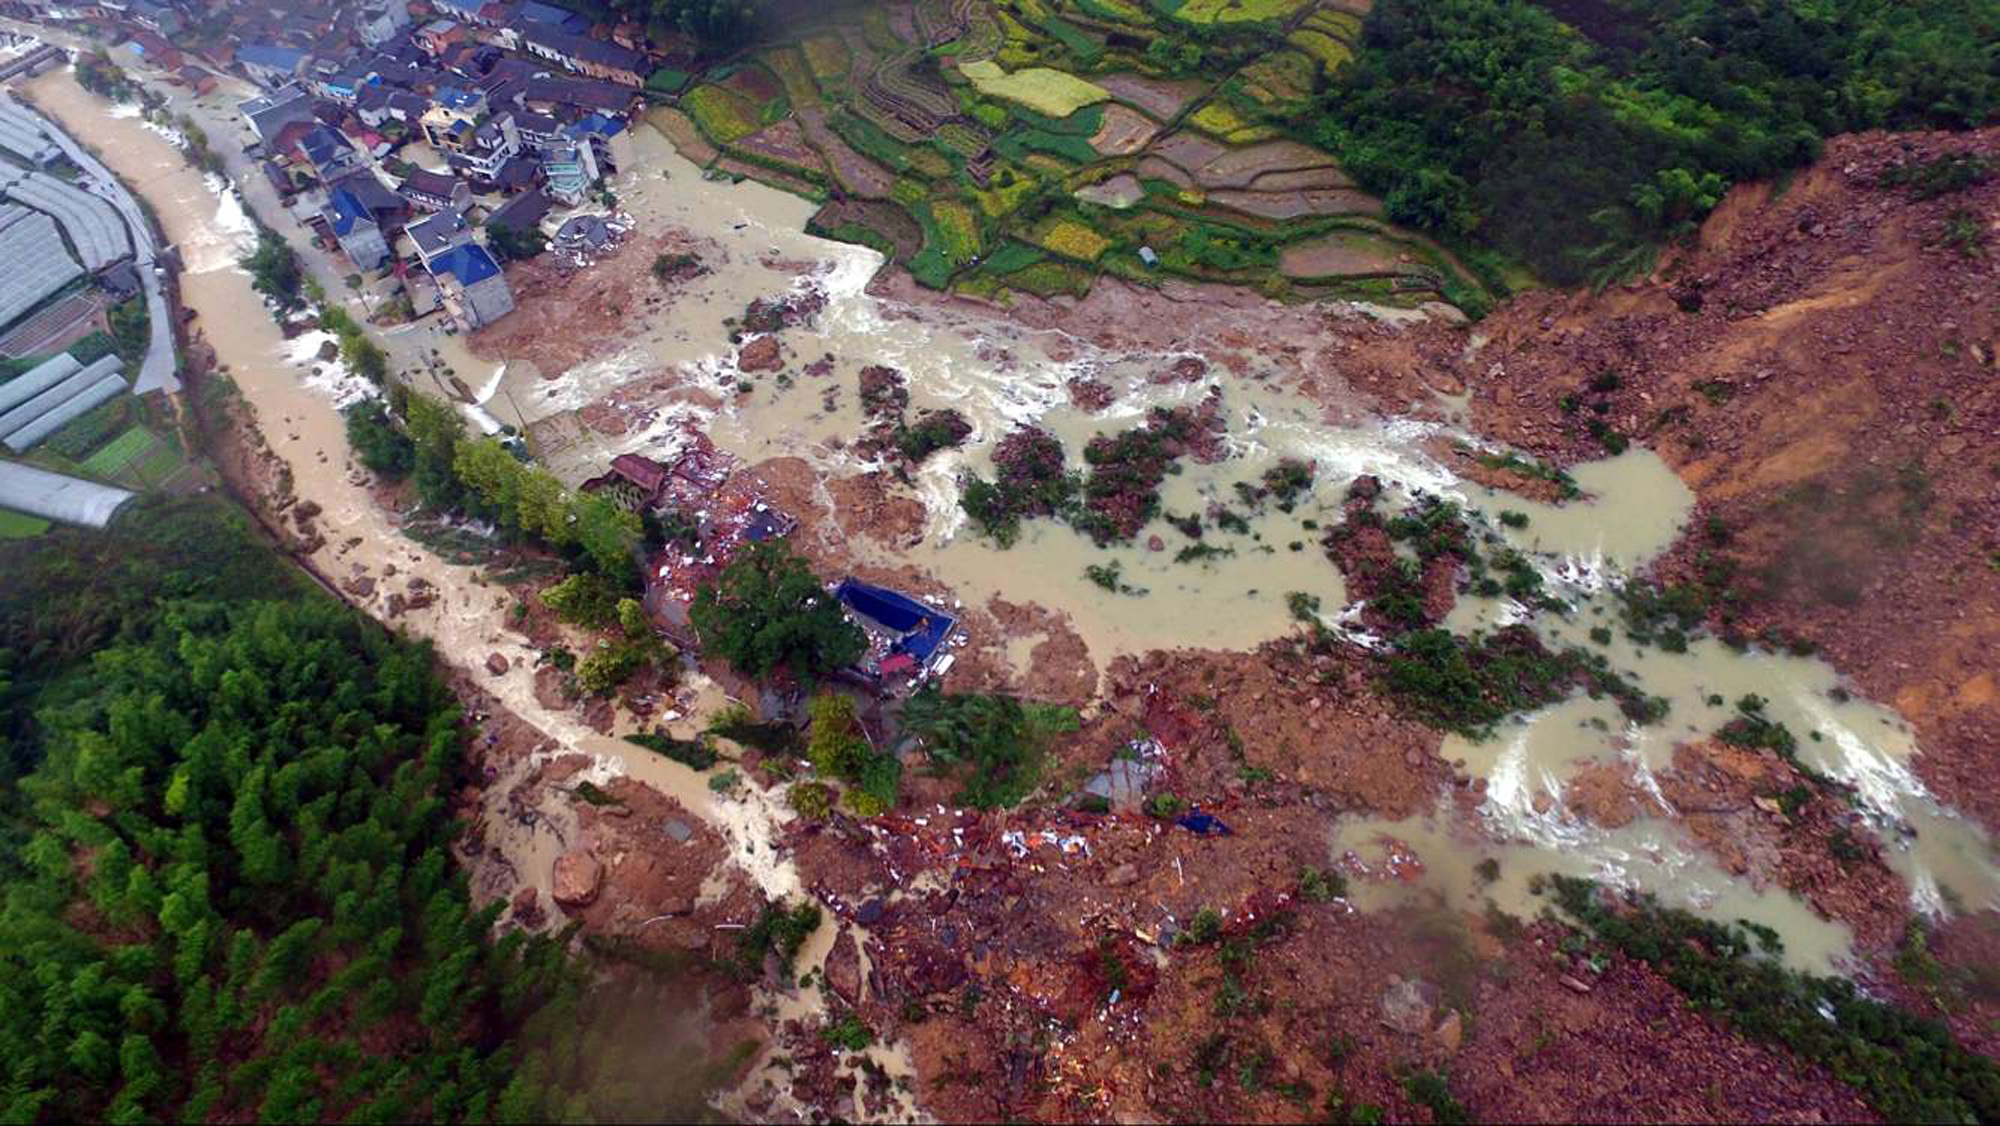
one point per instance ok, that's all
(1052, 93)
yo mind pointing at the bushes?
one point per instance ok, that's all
(776, 932)
(274, 270)
(514, 244)
(996, 742)
(1032, 481)
(1910, 1069)
(382, 447)
(933, 431)
(361, 354)
(691, 753)
(840, 749)
(585, 600)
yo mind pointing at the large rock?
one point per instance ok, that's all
(1407, 1006)
(576, 878)
(496, 664)
(843, 969)
(759, 354)
(527, 907)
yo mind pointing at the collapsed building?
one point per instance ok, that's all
(710, 514)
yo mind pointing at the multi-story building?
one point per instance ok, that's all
(379, 21)
(355, 229)
(474, 290)
(453, 114)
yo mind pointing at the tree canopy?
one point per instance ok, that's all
(1493, 122)
(767, 610)
(234, 897)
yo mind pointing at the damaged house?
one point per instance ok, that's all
(907, 638)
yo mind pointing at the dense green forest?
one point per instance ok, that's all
(1575, 146)
(717, 25)
(228, 892)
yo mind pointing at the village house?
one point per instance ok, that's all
(156, 18)
(340, 82)
(379, 21)
(156, 51)
(269, 66)
(434, 191)
(594, 57)
(439, 234)
(635, 483)
(197, 80)
(524, 212)
(439, 36)
(474, 290)
(329, 152)
(355, 229)
(269, 113)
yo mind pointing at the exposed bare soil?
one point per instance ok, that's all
(1819, 368)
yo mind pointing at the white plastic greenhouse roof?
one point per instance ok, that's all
(53, 496)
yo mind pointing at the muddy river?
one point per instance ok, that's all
(1001, 375)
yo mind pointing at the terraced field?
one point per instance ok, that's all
(1004, 147)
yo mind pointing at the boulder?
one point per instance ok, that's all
(843, 969)
(576, 878)
(496, 664)
(527, 907)
(1450, 1031)
(1407, 1006)
(759, 354)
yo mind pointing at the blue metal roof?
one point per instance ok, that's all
(534, 11)
(470, 264)
(263, 54)
(322, 145)
(347, 211)
(597, 123)
(923, 627)
(451, 97)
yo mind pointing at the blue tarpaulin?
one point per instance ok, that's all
(1202, 824)
(923, 628)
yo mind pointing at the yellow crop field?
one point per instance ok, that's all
(723, 116)
(1332, 52)
(960, 230)
(789, 64)
(1236, 11)
(827, 56)
(1051, 93)
(1344, 26)
(1219, 119)
(1072, 239)
(1004, 197)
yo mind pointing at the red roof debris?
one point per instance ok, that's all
(641, 471)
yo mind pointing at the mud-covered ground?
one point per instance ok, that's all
(1817, 366)
(1820, 369)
